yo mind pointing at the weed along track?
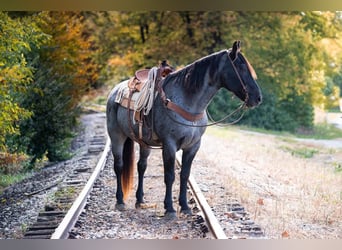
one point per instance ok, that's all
(80, 203)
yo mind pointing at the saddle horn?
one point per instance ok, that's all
(165, 68)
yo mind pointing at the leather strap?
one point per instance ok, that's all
(185, 114)
(130, 122)
(176, 108)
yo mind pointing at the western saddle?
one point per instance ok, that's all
(135, 84)
(141, 76)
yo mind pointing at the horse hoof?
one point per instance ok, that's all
(120, 207)
(170, 215)
(186, 211)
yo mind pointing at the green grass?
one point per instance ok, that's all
(338, 167)
(66, 192)
(9, 179)
(101, 100)
(302, 152)
(265, 131)
(319, 131)
(326, 131)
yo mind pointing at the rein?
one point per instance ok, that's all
(241, 107)
(196, 117)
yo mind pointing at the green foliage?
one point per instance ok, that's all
(61, 78)
(61, 73)
(337, 79)
(8, 179)
(338, 168)
(18, 37)
(50, 128)
(285, 49)
(272, 114)
(317, 24)
(325, 131)
(49, 60)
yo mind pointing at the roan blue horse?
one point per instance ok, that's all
(177, 121)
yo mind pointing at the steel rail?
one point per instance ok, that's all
(68, 222)
(210, 218)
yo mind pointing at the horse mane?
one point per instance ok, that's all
(192, 75)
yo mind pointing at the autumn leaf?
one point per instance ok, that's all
(285, 234)
(260, 201)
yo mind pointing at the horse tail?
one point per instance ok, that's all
(128, 168)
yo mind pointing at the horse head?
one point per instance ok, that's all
(245, 85)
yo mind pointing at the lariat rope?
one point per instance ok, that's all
(145, 100)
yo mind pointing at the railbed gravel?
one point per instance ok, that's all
(235, 220)
(101, 220)
(21, 203)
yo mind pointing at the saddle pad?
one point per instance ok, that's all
(122, 94)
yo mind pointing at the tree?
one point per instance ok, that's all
(290, 65)
(18, 37)
(63, 71)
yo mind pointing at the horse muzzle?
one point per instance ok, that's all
(254, 101)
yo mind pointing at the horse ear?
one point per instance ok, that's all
(235, 50)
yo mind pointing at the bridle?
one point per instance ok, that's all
(196, 117)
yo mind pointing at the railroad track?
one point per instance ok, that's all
(66, 219)
(58, 223)
(70, 219)
(72, 216)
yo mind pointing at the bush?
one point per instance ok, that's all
(62, 71)
(50, 128)
(273, 114)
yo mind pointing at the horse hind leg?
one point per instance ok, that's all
(123, 154)
(118, 166)
(142, 165)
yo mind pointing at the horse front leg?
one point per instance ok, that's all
(142, 165)
(169, 154)
(187, 158)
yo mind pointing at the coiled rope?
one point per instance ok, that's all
(147, 95)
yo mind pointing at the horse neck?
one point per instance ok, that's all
(195, 101)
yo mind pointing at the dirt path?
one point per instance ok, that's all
(332, 144)
(289, 196)
(335, 119)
